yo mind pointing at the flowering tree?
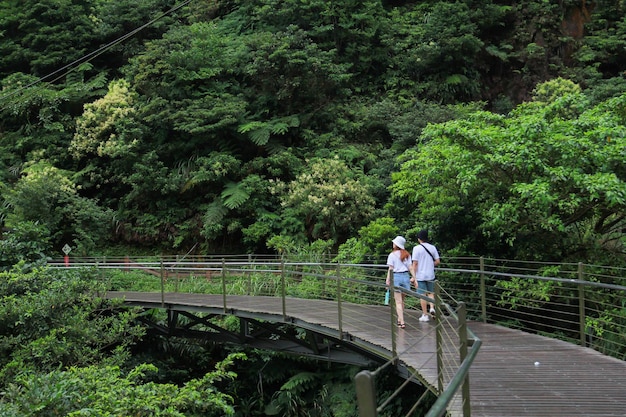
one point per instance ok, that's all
(327, 201)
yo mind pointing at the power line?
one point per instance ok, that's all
(73, 65)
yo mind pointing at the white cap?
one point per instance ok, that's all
(399, 241)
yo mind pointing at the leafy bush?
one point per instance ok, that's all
(102, 391)
(25, 244)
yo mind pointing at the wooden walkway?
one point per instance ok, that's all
(505, 380)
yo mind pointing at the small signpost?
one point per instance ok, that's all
(66, 250)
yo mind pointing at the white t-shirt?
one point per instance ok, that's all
(398, 265)
(425, 263)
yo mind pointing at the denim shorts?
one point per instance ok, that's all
(425, 286)
(402, 279)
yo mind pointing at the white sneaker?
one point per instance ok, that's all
(424, 318)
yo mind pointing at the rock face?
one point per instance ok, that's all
(573, 25)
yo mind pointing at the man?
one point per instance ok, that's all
(425, 259)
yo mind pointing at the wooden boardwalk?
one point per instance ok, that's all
(505, 380)
(568, 381)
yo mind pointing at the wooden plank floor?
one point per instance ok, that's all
(504, 380)
(569, 381)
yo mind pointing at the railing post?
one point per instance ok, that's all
(249, 275)
(581, 306)
(366, 394)
(283, 292)
(394, 317)
(99, 274)
(483, 296)
(162, 284)
(439, 344)
(465, 389)
(176, 273)
(339, 311)
(224, 284)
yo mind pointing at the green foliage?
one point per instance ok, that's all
(36, 39)
(436, 58)
(295, 386)
(373, 242)
(45, 195)
(552, 90)
(63, 351)
(120, 280)
(180, 132)
(545, 181)
(328, 198)
(105, 129)
(51, 320)
(234, 195)
(606, 329)
(38, 120)
(524, 291)
(291, 399)
(260, 132)
(106, 390)
(26, 244)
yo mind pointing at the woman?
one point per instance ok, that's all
(399, 262)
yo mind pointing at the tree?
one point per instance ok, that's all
(25, 245)
(545, 182)
(107, 390)
(51, 320)
(442, 58)
(66, 351)
(37, 119)
(107, 142)
(37, 39)
(328, 200)
(45, 194)
(373, 242)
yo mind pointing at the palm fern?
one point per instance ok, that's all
(260, 132)
(234, 195)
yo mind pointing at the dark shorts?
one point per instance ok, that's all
(425, 287)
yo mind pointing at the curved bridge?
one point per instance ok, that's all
(514, 373)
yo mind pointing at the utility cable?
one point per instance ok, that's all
(73, 65)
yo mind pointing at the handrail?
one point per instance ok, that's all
(349, 280)
(438, 409)
(493, 291)
(584, 309)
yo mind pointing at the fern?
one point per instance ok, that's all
(215, 212)
(234, 195)
(274, 147)
(301, 382)
(260, 132)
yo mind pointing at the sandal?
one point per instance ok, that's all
(402, 326)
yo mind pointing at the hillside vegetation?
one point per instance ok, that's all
(331, 126)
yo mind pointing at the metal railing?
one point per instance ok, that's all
(456, 349)
(579, 303)
(582, 304)
(344, 284)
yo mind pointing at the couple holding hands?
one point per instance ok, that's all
(417, 268)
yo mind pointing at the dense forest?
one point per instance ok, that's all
(274, 126)
(291, 126)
